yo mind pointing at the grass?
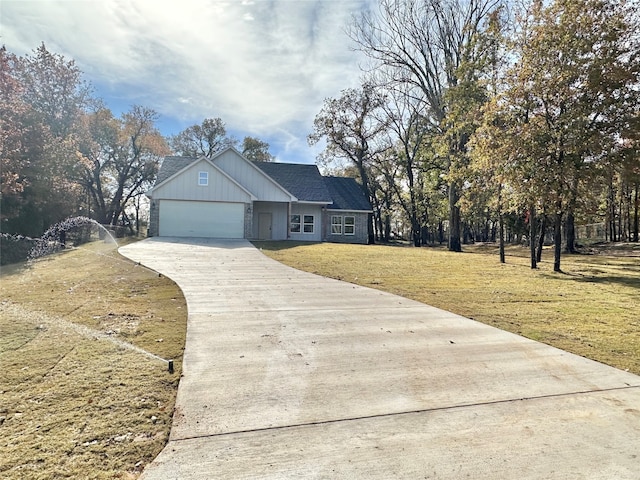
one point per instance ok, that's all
(75, 401)
(591, 309)
(74, 404)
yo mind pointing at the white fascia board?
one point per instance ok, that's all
(313, 203)
(348, 210)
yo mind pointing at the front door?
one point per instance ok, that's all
(264, 226)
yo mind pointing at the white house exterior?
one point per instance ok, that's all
(228, 196)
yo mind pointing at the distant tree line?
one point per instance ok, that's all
(63, 152)
(480, 121)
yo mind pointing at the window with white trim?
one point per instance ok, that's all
(308, 223)
(203, 179)
(294, 224)
(349, 225)
(336, 225)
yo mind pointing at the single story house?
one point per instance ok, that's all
(228, 196)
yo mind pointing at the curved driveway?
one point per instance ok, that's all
(291, 375)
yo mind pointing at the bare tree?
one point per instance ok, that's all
(352, 132)
(423, 43)
(119, 159)
(408, 127)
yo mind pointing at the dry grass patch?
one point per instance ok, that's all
(592, 309)
(79, 398)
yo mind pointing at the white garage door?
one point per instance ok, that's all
(201, 219)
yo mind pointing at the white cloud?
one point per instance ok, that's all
(264, 67)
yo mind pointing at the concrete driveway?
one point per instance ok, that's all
(292, 375)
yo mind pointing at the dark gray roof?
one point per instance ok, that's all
(171, 166)
(347, 194)
(301, 180)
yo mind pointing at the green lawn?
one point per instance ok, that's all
(591, 309)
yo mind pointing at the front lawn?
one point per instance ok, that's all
(84, 392)
(592, 309)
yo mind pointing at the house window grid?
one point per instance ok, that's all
(308, 223)
(302, 224)
(349, 225)
(294, 224)
(203, 179)
(336, 225)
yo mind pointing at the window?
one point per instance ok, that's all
(295, 224)
(336, 225)
(203, 179)
(301, 223)
(349, 225)
(308, 224)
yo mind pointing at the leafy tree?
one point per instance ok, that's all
(570, 92)
(256, 150)
(485, 173)
(44, 97)
(54, 87)
(205, 139)
(352, 132)
(14, 128)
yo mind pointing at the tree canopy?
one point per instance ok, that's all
(475, 120)
(64, 153)
(497, 119)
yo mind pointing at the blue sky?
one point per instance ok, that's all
(264, 67)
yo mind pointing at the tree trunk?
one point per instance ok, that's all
(500, 225)
(620, 222)
(636, 220)
(543, 231)
(532, 236)
(501, 238)
(370, 229)
(557, 241)
(570, 233)
(387, 227)
(612, 214)
(137, 204)
(454, 220)
(415, 233)
(628, 203)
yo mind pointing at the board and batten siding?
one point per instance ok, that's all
(279, 213)
(185, 186)
(251, 177)
(308, 209)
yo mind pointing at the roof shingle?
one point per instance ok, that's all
(303, 181)
(347, 194)
(172, 165)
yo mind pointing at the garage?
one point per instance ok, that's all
(180, 218)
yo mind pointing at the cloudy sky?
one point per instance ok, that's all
(263, 66)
